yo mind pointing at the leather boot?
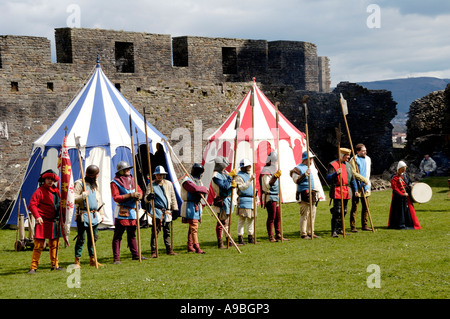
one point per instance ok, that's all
(241, 241)
(77, 262)
(92, 262)
(272, 239)
(198, 249)
(169, 251)
(251, 239)
(190, 247)
(220, 244)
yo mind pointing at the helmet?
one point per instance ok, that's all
(123, 165)
(92, 171)
(244, 162)
(305, 156)
(272, 157)
(220, 163)
(197, 170)
(159, 170)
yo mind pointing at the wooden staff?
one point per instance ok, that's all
(152, 201)
(305, 106)
(77, 142)
(252, 104)
(344, 113)
(204, 199)
(17, 222)
(236, 128)
(136, 190)
(279, 165)
(338, 135)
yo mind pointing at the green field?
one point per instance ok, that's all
(412, 264)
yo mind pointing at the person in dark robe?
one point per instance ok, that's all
(402, 214)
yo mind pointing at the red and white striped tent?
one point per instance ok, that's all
(292, 142)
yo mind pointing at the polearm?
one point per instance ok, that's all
(135, 189)
(204, 199)
(252, 105)
(344, 113)
(338, 135)
(279, 165)
(78, 145)
(305, 107)
(152, 201)
(236, 128)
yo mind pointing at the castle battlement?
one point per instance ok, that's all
(149, 58)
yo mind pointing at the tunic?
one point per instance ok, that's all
(45, 204)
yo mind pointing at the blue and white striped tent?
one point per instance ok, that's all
(99, 116)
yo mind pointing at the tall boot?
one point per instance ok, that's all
(190, 247)
(220, 244)
(77, 262)
(251, 239)
(197, 248)
(241, 241)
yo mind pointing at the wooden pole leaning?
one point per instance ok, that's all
(91, 231)
(338, 134)
(305, 106)
(277, 119)
(206, 202)
(236, 128)
(356, 164)
(138, 226)
(252, 105)
(152, 201)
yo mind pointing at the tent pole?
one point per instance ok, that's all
(279, 167)
(77, 142)
(152, 201)
(136, 189)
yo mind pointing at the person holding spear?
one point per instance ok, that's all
(192, 191)
(87, 192)
(361, 164)
(270, 183)
(305, 191)
(244, 182)
(340, 177)
(125, 195)
(165, 203)
(223, 184)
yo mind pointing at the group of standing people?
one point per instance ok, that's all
(349, 181)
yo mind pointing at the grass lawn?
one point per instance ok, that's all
(412, 264)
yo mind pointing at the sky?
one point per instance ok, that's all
(365, 40)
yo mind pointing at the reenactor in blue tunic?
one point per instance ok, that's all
(192, 190)
(244, 181)
(223, 184)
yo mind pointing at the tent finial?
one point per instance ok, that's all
(98, 60)
(254, 80)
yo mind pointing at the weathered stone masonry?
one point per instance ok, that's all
(179, 80)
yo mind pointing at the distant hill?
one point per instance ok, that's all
(405, 91)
